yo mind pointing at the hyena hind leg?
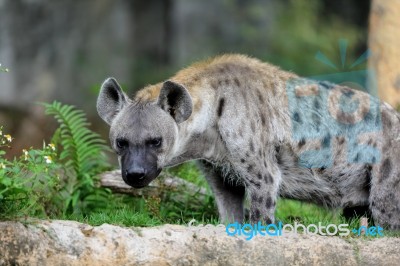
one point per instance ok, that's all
(385, 195)
(229, 196)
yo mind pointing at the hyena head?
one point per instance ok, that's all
(143, 134)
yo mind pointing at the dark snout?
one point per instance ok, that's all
(135, 173)
(139, 168)
(139, 177)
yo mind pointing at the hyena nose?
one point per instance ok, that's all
(135, 174)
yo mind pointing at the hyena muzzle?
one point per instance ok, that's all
(261, 132)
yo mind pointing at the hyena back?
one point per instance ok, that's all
(263, 132)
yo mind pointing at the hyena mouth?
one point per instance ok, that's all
(142, 181)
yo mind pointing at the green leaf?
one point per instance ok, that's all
(82, 152)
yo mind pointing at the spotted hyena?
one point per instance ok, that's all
(261, 132)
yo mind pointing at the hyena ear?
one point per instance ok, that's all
(111, 100)
(175, 100)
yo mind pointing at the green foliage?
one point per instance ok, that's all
(28, 183)
(191, 206)
(83, 156)
(300, 32)
(289, 211)
(189, 172)
(59, 179)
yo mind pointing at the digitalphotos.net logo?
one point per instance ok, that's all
(321, 108)
(251, 230)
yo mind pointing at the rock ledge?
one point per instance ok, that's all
(73, 243)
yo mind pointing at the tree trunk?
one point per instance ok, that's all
(384, 43)
(162, 184)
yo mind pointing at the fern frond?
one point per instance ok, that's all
(81, 146)
(83, 152)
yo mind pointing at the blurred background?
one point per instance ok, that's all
(63, 50)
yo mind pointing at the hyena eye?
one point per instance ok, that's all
(156, 143)
(122, 143)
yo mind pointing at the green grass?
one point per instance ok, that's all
(289, 211)
(189, 172)
(129, 211)
(122, 217)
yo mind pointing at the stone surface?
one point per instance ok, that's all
(73, 243)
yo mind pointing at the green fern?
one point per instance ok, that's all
(83, 156)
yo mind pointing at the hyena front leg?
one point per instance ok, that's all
(262, 184)
(229, 195)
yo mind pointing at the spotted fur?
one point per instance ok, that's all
(235, 113)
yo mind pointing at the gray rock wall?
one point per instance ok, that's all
(72, 243)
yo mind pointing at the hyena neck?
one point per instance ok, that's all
(199, 138)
